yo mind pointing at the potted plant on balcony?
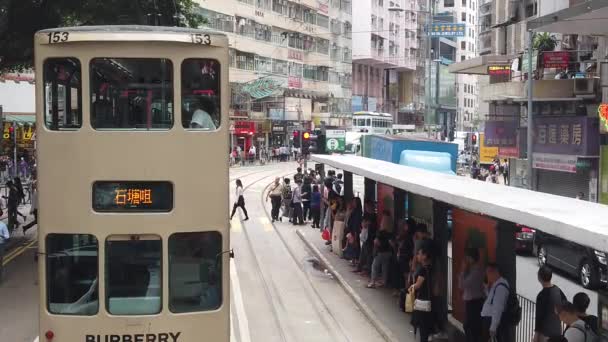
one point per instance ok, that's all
(543, 42)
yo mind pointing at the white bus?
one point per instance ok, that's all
(372, 123)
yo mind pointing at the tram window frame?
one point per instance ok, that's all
(127, 285)
(185, 243)
(69, 271)
(119, 115)
(211, 69)
(51, 115)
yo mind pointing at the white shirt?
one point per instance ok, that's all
(3, 232)
(495, 303)
(238, 192)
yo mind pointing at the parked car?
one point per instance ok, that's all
(525, 239)
(588, 264)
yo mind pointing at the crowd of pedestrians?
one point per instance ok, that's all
(263, 155)
(493, 173)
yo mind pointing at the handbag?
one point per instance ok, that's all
(325, 235)
(424, 305)
(410, 301)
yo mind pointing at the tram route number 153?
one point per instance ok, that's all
(58, 37)
(201, 38)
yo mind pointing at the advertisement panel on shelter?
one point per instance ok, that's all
(470, 231)
(604, 175)
(386, 198)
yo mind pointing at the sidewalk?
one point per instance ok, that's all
(379, 305)
(19, 239)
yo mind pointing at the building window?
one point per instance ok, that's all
(463, 17)
(463, 45)
(464, 3)
(448, 3)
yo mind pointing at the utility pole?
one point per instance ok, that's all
(15, 150)
(429, 48)
(530, 134)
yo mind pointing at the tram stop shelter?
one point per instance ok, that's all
(483, 215)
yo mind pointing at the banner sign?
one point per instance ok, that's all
(447, 30)
(577, 136)
(500, 133)
(336, 140)
(556, 59)
(555, 162)
(294, 82)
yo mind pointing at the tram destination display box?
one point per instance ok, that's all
(132, 196)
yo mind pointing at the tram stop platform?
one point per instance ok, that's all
(378, 305)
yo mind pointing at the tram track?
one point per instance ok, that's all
(321, 308)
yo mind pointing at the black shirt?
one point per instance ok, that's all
(547, 322)
(424, 292)
(383, 239)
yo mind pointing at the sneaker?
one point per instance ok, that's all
(440, 336)
(246, 218)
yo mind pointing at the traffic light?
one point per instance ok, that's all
(474, 139)
(296, 139)
(306, 142)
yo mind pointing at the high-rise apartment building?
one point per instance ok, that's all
(464, 12)
(290, 65)
(385, 49)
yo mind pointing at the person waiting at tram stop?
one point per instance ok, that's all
(581, 303)
(240, 200)
(274, 194)
(473, 294)
(547, 322)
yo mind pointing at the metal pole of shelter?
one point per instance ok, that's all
(530, 134)
(14, 149)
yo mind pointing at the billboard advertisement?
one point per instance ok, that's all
(486, 154)
(575, 135)
(500, 133)
(469, 231)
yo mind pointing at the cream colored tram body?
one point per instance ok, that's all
(132, 145)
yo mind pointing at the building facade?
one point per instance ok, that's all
(386, 45)
(290, 65)
(566, 129)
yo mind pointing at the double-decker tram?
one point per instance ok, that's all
(133, 184)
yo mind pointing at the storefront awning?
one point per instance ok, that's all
(588, 18)
(478, 65)
(21, 118)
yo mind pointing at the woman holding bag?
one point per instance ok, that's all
(423, 317)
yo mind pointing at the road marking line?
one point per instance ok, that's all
(236, 225)
(267, 225)
(239, 305)
(18, 252)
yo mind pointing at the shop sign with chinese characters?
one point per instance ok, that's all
(577, 136)
(127, 196)
(500, 133)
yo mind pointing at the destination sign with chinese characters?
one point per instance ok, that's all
(132, 196)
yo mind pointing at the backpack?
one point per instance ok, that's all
(286, 193)
(512, 313)
(590, 335)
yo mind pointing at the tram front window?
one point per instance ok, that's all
(71, 265)
(62, 93)
(131, 93)
(201, 94)
(133, 275)
(195, 272)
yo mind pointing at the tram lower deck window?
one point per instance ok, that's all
(71, 274)
(195, 271)
(133, 275)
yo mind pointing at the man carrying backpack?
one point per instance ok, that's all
(547, 322)
(494, 320)
(577, 330)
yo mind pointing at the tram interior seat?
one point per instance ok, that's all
(133, 294)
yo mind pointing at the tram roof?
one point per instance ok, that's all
(133, 33)
(580, 221)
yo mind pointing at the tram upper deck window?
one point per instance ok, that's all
(131, 93)
(133, 275)
(62, 93)
(201, 94)
(195, 271)
(71, 274)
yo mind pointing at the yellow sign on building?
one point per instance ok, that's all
(486, 154)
